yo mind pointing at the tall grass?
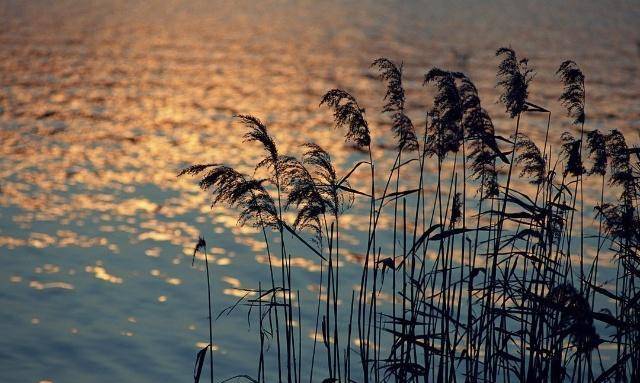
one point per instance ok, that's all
(488, 275)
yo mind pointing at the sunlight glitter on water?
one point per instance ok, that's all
(101, 104)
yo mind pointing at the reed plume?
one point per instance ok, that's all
(621, 223)
(347, 113)
(402, 126)
(620, 160)
(303, 193)
(526, 315)
(445, 133)
(514, 77)
(530, 159)
(336, 193)
(571, 152)
(597, 146)
(257, 132)
(479, 130)
(573, 97)
(456, 210)
(231, 187)
(313, 192)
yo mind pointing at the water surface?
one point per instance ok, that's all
(102, 102)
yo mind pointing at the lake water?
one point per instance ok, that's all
(101, 103)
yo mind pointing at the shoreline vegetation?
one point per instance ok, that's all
(485, 282)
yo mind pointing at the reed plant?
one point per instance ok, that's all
(488, 276)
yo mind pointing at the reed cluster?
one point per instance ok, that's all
(484, 282)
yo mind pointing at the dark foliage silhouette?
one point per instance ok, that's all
(489, 286)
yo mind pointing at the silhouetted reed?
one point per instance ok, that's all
(445, 132)
(514, 77)
(573, 97)
(483, 286)
(571, 152)
(347, 113)
(402, 126)
(529, 158)
(201, 246)
(596, 143)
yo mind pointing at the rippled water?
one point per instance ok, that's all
(102, 102)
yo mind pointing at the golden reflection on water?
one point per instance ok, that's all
(101, 273)
(98, 112)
